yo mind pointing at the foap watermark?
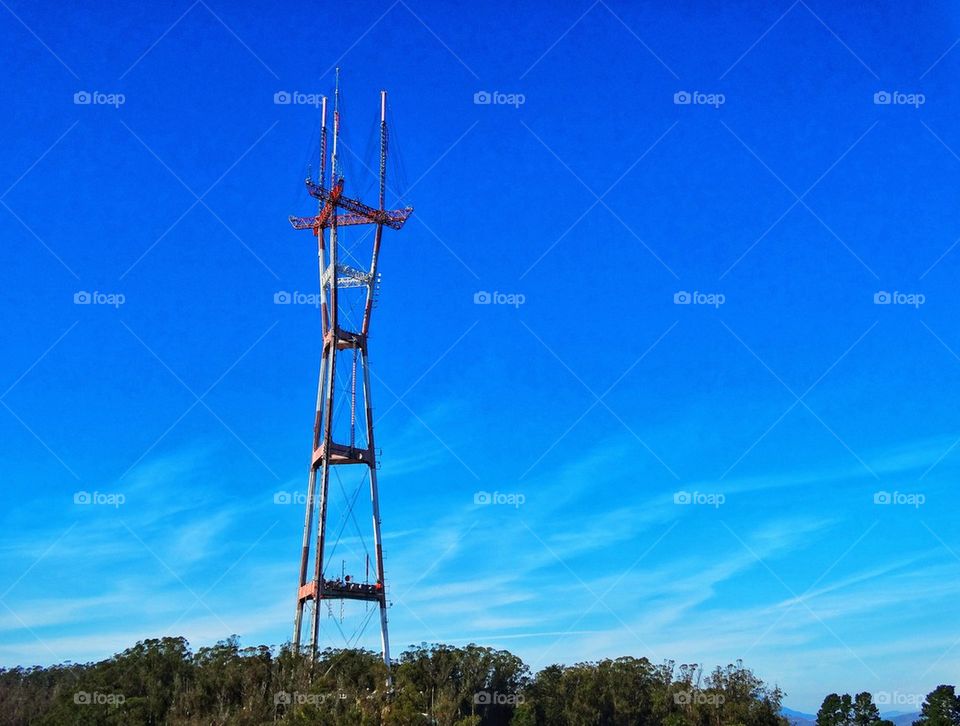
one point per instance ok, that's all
(882, 297)
(82, 297)
(98, 98)
(289, 497)
(914, 499)
(898, 98)
(297, 98)
(99, 498)
(290, 698)
(95, 698)
(282, 297)
(682, 297)
(482, 297)
(698, 698)
(495, 698)
(714, 500)
(497, 98)
(698, 98)
(895, 698)
(484, 498)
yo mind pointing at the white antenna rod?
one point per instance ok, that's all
(323, 140)
(336, 131)
(383, 148)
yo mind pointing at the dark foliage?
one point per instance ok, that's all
(165, 682)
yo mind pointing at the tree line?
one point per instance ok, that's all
(940, 708)
(163, 681)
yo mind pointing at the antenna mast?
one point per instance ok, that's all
(333, 427)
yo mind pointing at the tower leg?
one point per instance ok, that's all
(330, 326)
(375, 510)
(318, 562)
(304, 558)
(308, 517)
(385, 640)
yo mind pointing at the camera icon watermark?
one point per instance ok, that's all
(288, 698)
(482, 297)
(84, 498)
(915, 299)
(114, 299)
(895, 698)
(98, 98)
(699, 698)
(714, 500)
(483, 499)
(698, 98)
(297, 98)
(495, 698)
(897, 98)
(95, 698)
(715, 299)
(496, 98)
(884, 498)
(282, 297)
(284, 497)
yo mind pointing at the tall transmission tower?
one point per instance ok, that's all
(347, 296)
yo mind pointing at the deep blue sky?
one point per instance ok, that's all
(798, 199)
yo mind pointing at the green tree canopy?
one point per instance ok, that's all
(940, 708)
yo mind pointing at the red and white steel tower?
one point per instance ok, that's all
(347, 295)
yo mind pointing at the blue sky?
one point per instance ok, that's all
(782, 401)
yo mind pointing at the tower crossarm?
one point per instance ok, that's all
(393, 218)
(343, 220)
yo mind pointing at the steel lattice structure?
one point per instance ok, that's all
(332, 446)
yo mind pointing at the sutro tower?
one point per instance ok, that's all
(347, 296)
